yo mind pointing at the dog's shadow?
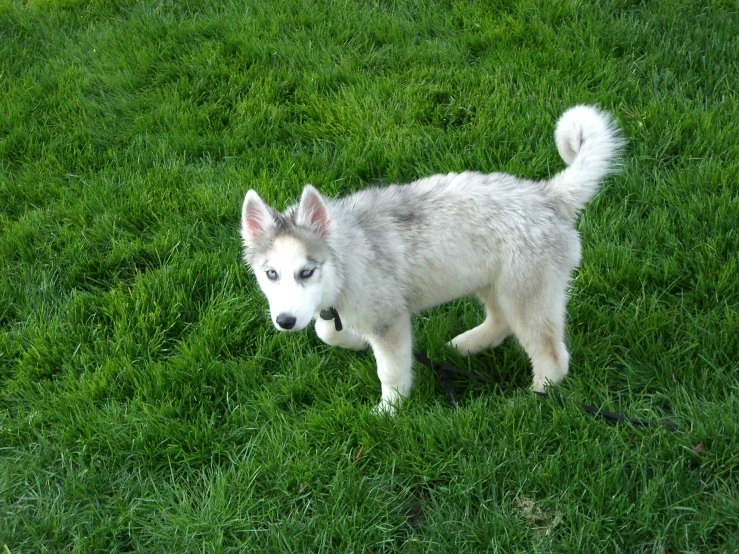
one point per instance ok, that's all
(507, 364)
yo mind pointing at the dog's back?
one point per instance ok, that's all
(448, 235)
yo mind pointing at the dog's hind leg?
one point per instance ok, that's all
(346, 338)
(393, 347)
(489, 334)
(538, 321)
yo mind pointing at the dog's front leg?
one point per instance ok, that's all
(393, 352)
(346, 338)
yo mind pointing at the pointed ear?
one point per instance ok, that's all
(312, 211)
(256, 218)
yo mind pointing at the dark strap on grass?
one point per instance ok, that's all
(445, 371)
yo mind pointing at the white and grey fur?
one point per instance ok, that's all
(382, 253)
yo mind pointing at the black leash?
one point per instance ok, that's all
(445, 371)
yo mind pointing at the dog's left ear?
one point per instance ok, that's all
(312, 212)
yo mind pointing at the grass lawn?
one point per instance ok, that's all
(148, 405)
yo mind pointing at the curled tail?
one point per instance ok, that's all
(589, 143)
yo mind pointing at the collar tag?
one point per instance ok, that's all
(330, 313)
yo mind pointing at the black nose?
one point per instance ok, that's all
(286, 321)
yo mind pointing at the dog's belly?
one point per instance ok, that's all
(448, 285)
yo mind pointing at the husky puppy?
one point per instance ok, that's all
(380, 254)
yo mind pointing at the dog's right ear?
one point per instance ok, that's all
(256, 218)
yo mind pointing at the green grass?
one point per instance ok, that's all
(146, 403)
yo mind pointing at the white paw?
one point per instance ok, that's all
(539, 384)
(385, 409)
(466, 344)
(546, 379)
(391, 402)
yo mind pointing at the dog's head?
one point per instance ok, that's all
(290, 256)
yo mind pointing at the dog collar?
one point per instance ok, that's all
(330, 313)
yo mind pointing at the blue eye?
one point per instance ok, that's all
(271, 275)
(306, 274)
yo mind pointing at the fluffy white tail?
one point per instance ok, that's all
(589, 143)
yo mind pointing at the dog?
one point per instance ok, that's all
(375, 257)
